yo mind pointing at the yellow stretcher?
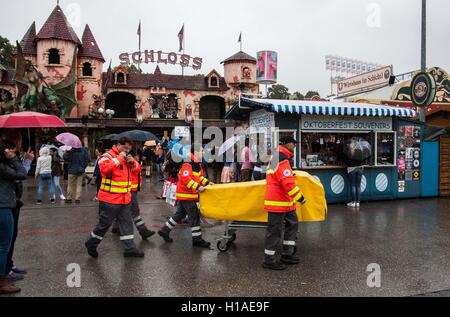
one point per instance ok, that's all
(241, 205)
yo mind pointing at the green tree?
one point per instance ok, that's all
(278, 92)
(311, 94)
(6, 50)
(132, 69)
(297, 96)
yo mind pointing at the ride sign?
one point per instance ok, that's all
(152, 56)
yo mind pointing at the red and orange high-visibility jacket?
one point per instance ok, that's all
(190, 178)
(136, 178)
(116, 178)
(282, 192)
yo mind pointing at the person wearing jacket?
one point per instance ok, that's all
(190, 183)
(15, 273)
(281, 197)
(11, 172)
(136, 184)
(115, 198)
(78, 160)
(44, 174)
(57, 172)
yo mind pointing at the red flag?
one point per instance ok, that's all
(181, 38)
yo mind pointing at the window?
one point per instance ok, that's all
(327, 149)
(385, 148)
(53, 56)
(87, 70)
(120, 78)
(213, 82)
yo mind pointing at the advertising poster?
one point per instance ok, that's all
(267, 67)
(408, 155)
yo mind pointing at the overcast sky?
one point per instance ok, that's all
(302, 32)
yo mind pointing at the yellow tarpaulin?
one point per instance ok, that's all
(245, 201)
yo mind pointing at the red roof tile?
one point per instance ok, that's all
(27, 43)
(89, 47)
(240, 56)
(176, 82)
(57, 27)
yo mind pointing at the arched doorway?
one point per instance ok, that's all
(122, 103)
(212, 107)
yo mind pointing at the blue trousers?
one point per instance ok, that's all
(6, 234)
(45, 178)
(355, 184)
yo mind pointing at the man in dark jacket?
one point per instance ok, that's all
(77, 160)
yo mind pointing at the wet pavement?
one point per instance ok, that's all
(408, 239)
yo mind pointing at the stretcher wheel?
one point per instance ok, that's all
(223, 246)
(233, 237)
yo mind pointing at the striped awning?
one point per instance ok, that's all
(331, 108)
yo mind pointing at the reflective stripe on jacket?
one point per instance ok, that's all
(116, 178)
(136, 178)
(282, 192)
(190, 178)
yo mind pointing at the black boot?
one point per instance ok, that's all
(290, 259)
(277, 266)
(165, 235)
(201, 243)
(91, 249)
(146, 233)
(135, 253)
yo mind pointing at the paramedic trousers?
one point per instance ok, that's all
(135, 214)
(184, 208)
(274, 234)
(107, 214)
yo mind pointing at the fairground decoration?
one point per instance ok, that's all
(160, 57)
(423, 88)
(35, 94)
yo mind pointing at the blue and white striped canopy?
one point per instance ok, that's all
(331, 108)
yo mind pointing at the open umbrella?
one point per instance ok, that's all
(69, 139)
(109, 137)
(138, 136)
(28, 119)
(358, 149)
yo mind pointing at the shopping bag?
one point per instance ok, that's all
(165, 187)
(171, 194)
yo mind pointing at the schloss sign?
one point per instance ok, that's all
(160, 57)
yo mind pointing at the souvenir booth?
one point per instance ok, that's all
(395, 168)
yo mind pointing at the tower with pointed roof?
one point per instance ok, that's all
(56, 45)
(240, 73)
(28, 44)
(90, 68)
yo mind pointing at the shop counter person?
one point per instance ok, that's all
(190, 183)
(282, 194)
(114, 198)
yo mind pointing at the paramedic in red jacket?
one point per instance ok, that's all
(136, 186)
(114, 198)
(281, 197)
(190, 183)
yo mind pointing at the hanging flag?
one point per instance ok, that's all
(240, 38)
(139, 33)
(181, 38)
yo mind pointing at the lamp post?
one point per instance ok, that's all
(423, 58)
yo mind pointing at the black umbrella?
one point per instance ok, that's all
(109, 137)
(358, 149)
(138, 136)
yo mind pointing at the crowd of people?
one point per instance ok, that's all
(118, 172)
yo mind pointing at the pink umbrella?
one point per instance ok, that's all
(69, 139)
(28, 119)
